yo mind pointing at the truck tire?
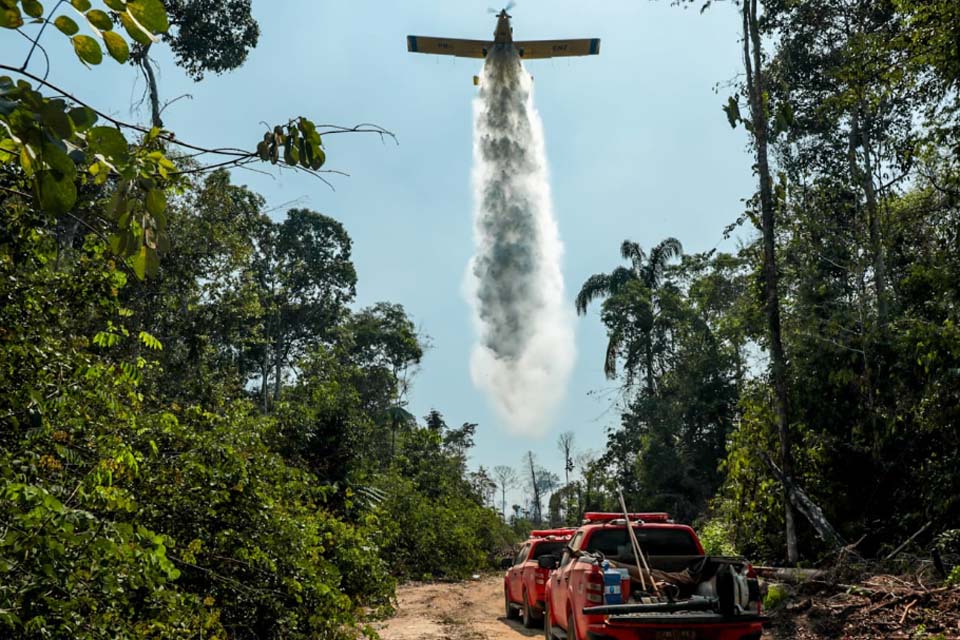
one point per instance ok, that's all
(529, 620)
(508, 611)
(572, 628)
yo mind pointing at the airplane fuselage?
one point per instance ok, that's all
(504, 32)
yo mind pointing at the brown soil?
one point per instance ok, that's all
(471, 610)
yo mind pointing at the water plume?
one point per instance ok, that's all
(525, 344)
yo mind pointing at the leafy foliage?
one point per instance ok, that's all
(211, 35)
(859, 111)
(145, 491)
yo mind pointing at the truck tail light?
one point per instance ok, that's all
(540, 577)
(595, 587)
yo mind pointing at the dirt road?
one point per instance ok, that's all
(470, 610)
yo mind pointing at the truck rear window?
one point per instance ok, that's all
(547, 548)
(614, 543)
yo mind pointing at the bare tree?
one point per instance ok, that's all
(565, 444)
(534, 486)
(506, 478)
(756, 90)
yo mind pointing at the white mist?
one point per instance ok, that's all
(525, 342)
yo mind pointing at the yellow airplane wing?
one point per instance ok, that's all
(555, 48)
(448, 46)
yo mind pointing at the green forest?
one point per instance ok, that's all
(203, 435)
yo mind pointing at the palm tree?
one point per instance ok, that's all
(630, 292)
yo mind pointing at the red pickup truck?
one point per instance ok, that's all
(525, 578)
(698, 597)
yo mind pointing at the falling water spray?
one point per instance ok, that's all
(525, 345)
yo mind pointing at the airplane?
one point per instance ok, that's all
(503, 38)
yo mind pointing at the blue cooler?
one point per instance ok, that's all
(612, 593)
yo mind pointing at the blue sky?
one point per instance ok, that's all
(636, 140)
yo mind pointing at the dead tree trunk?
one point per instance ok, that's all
(758, 114)
(535, 487)
(811, 511)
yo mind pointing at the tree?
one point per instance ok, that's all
(631, 305)
(756, 91)
(306, 278)
(205, 36)
(539, 483)
(506, 479)
(484, 485)
(565, 444)
(533, 484)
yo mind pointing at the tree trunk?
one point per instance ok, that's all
(537, 508)
(143, 59)
(648, 355)
(265, 383)
(865, 175)
(806, 506)
(278, 361)
(865, 178)
(756, 93)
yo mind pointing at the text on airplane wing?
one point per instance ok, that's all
(448, 46)
(554, 48)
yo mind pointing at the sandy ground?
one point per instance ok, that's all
(470, 610)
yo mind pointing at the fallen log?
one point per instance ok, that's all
(789, 574)
(811, 511)
(896, 552)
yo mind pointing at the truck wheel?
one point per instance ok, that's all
(529, 620)
(508, 611)
(572, 628)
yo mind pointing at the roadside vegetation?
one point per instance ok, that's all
(825, 348)
(201, 433)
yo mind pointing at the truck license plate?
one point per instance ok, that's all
(678, 634)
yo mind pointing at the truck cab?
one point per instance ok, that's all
(697, 597)
(524, 581)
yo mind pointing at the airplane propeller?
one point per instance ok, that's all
(510, 5)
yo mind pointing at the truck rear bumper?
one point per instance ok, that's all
(732, 635)
(678, 628)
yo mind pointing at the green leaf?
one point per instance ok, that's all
(117, 5)
(156, 202)
(66, 25)
(59, 162)
(116, 46)
(150, 14)
(135, 32)
(80, 5)
(87, 49)
(57, 196)
(140, 263)
(10, 18)
(32, 8)
(100, 20)
(53, 115)
(83, 118)
(108, 141)
(150, 342)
